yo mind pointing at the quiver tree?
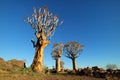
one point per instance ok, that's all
(72, 50)
(44, 23)
(111, 66)
(56, 54)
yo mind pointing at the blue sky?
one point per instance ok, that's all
(93, 23)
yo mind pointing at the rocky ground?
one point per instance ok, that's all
(16, 70)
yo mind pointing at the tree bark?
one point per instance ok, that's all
(37, 64)
(58, 65)
(38, 59)
(74, 63)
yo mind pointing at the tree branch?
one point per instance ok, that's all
(34, 44)
(50, 30)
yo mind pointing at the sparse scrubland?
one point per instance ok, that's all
(44, 24)
(16, 70)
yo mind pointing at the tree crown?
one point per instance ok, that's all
(43, 20)
(57, 50)
(44, 23)
(72, 49)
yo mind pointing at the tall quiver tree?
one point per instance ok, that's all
(44, 23)
(72, 50)
(56, 54)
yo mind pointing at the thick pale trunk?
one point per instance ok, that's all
(74, 63)
(37, 64)
(38, 60)
(58, 65)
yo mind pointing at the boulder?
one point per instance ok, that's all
(17, 63)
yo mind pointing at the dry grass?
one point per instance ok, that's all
(27, 74)
(37, 76)
(70, 77)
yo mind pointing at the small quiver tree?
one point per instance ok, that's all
(56, 54)
(72, 50)
(111, 66)
(44, 23)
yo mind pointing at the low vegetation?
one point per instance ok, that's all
(16, 70)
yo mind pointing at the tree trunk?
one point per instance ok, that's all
(37, 64)
(58, 65)
(38, 59)
(74, 63)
